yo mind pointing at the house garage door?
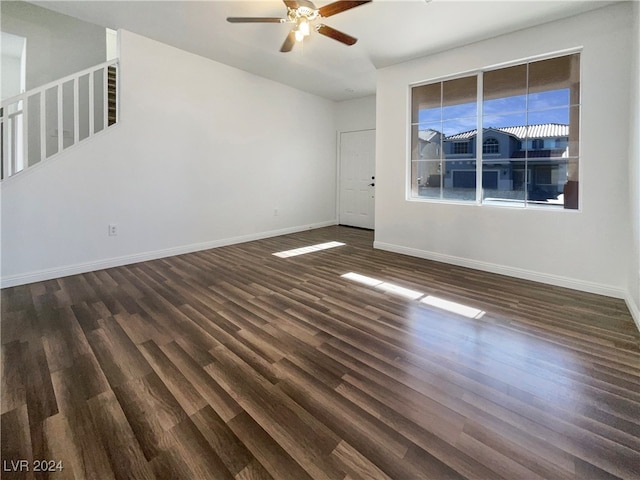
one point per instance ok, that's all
(467, 179)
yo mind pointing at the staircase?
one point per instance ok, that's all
(112, 80)
(43, 122)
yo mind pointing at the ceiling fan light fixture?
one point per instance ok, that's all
(303, 26)
(302, 29)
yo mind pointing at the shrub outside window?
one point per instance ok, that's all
(529, 136)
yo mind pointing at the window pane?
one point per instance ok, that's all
(574, 131)
(426, 179)
(504, 136)
(570, 189)
(503, 183)
(546, 182)
(549, 99)
(504, 121)
(459, 180)
(505, 90)
(429, 135)
(459, 98)
(555, 75)
(426, 142)
(455, 127)
(557, 128)
(426, 103)
(558, 116)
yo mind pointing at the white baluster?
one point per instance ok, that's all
(60, 120)
(91, 109)
(105, 98)
(43, 126)
(76, 110)
(5, 144)
(25, 133)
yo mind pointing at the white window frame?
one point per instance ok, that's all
(479, 74)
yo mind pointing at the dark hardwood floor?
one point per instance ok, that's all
(235, 363)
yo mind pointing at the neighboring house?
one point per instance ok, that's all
(507, 152)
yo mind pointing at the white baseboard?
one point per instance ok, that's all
(556, 280)
(48, 274)
(633, 309)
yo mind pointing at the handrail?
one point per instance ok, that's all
(21, 148)
(46, 86)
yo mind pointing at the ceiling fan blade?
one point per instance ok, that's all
(340, 6)
(289, 42)
(292, 4)
(336, 34)
(255, 20)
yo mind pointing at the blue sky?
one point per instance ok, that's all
(545, 107)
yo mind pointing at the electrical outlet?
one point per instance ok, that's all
(113, 229)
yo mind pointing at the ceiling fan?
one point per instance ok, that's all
(301, 13)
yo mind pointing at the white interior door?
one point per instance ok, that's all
(357, 178)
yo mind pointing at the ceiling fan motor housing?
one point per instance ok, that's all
(303, 11)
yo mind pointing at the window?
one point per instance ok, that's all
(444, 114)
(460, 147)
(490, 145)
(524, 108)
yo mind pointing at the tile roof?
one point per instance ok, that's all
(545, 130)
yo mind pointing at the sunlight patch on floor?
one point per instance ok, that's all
(454, 307)
(309, 249)
(385, 286)
(430, 300)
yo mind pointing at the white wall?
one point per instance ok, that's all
(202, 156)
(587, 250)
(633, 298)
(11, 74)
(357, 114)
(57, 45)
(10, 69)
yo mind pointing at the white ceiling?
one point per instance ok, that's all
(389, 32)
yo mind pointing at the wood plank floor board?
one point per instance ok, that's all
(15, 439)
(204, 384)
(12, 387)
(342, 416)
(253, 471)
(236, 363)
(73, 435)
(151, 411)
(232, 452)
(275, 459)
(197, 453)
(305, 438)
(126, 457)
(182, 390)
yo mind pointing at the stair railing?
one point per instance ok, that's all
(45, 121)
